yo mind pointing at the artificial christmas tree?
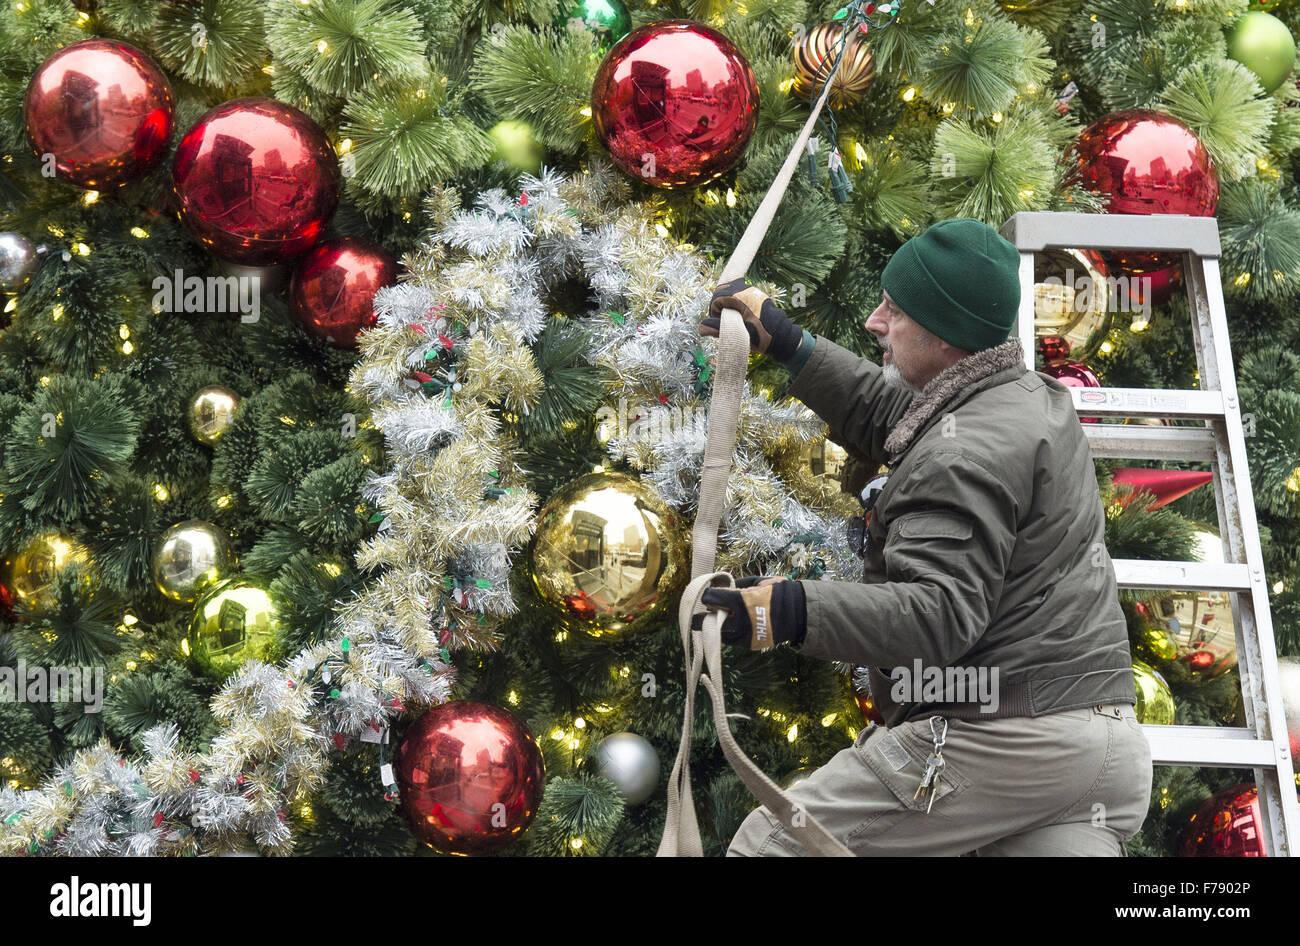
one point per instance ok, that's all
(542, 330)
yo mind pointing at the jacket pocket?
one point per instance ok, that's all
(897, 758)
(925, 544)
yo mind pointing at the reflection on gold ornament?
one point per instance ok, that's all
(1155, 702)
(211, 412)
(608, 553)
(826, 459)
(1072, 298)
(1199, 623)
(34, 567)
(190, 556)
(236, 621)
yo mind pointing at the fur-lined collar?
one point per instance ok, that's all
(948, 383)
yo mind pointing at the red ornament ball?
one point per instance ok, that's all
(334, 288)
(102, 110)
(470, 776)
(1149, 163)
(1150, 284)
(1053, 348)
(256, 180)
(1073, 374)
(1226, 825)
(674, 103)
(863, 700)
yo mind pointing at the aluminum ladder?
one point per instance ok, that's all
(1262, 744)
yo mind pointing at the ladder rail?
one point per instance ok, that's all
(1252, 617)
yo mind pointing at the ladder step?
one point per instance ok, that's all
(1193, 576)
(1223, 747)
(1038, 230)
(1140, 442)
(1148, 402)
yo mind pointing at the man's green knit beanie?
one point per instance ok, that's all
(960, 280)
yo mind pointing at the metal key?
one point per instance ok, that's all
(938, 763)
(930, 771)
(934, 765)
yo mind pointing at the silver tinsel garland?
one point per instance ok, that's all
(457, 509)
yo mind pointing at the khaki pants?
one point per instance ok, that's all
(1077, 782)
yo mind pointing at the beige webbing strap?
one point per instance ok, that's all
(681, 830)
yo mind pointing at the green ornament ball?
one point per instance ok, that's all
(235, 622)
(517, 146)
(1262, 43)
(607, 19)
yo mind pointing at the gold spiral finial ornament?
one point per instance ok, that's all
(814, 57)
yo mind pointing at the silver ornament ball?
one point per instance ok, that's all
(18, 261)
(631, 763)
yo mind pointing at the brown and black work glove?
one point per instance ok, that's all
(770, 330)
(758, 616)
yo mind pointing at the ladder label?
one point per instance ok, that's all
(1136, 400)
(1154, 572)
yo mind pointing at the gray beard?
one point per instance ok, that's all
(894, 378)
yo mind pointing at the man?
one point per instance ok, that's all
(987, 611)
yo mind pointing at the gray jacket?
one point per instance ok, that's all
(985, 549)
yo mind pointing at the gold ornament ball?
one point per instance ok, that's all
(1072, 298)
(826, 459)
(34, 567)
(190, 557)
(212, 411)
(1199, 623)
(1155, 702)
(608, 553)
(234, 622)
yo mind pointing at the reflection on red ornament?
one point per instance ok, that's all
(580, 605)
(256, 181)
(674, 103)
(334, 286)
(1053, 348)
(101, 110)
(1226, 825)
(470, 776)
(1149, 163)
(1149, 285)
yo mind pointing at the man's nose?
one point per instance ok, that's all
(876, 323)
